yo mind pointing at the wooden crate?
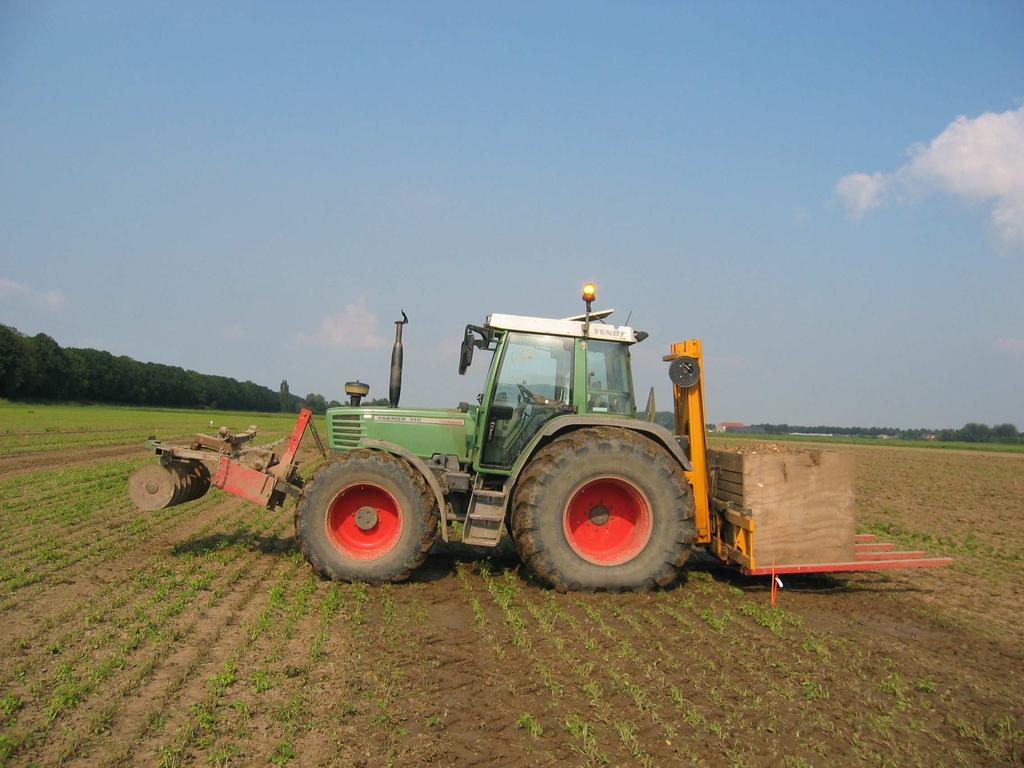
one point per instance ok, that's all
(802, 502)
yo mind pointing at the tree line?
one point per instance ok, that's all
(38, 368)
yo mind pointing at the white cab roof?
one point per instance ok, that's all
(555, 327)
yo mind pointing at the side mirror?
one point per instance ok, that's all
(466, 355)
(468, 342)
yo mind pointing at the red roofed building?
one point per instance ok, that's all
(731, 426)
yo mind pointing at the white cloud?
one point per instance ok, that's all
(11, 290)
(1008, 217)
(978, 159)
(355, 327)
(860, 192)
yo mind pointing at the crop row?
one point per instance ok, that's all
(706, 664)
(114, 648)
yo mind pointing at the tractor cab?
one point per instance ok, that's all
(543, 368)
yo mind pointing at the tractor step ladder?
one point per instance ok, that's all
(485, 518)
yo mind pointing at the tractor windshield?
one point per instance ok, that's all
(533, 384)
(609, 383)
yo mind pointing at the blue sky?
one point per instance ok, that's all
(256, 190)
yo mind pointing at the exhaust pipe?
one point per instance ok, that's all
(395, 391)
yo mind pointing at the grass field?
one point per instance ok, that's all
(199, 636)
(26, 428)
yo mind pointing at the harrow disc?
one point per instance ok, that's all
(185, 483)
(201, 473)
(153, 487)
(196, 479)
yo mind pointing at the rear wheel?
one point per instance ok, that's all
(603, 508)
(365, 516)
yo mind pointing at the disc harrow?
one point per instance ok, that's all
(226, 461)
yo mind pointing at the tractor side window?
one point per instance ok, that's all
(534, 384)
(609, 385)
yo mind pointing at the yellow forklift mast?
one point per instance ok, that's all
(725, 529)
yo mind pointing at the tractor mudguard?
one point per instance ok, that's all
(420, 466)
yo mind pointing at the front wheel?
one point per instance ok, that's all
(365, 516)
(603, 508)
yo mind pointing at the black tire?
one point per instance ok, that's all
(359, 469)
(595, 454)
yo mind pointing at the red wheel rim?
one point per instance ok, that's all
(607, 521)
(364, 521)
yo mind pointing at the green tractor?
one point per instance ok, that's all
(552, 453)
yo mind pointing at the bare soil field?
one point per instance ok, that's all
(198, 636)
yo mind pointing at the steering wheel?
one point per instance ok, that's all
(525, 395)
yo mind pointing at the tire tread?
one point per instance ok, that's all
(555, 460)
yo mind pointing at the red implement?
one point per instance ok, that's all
(255, 473)
(259, 486)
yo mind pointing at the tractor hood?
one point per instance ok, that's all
(424, 431)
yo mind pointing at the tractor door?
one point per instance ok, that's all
(533, 384)
(609, 379)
